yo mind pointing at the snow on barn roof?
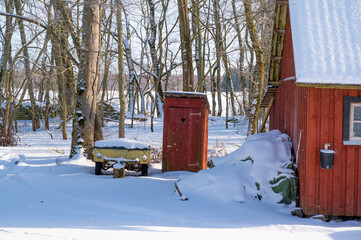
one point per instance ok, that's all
(326, 37)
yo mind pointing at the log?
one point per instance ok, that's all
(119, 171)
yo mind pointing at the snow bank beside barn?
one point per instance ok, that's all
(257, 170)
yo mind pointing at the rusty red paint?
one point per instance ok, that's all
(185, 133)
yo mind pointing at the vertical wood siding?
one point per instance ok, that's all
(287, 62)
(336, 191)
(312, 117)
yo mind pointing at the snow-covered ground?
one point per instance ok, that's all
(46, 195)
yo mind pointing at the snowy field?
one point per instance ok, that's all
(46, 195)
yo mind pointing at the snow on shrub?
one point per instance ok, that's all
(9, 161)
(260, 169)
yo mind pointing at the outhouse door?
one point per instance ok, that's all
(184, 134)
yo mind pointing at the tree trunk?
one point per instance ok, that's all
(259, 79)
(240, 70)
(120, 70)
(155, 74)
(84, 121)
(28, 73)
(131, 69)
(47, 98)
(219, 53)
(229, 84)
(107, 62)
(5, 130)
(213, 91)
(196, 29)
(186, 46)
(56, 52)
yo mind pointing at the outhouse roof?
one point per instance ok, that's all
(194, 95)
(326, 36)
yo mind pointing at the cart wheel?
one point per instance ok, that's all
(144, 169)
(98, 168)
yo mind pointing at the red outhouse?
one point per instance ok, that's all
(315, 82)
(185, 132)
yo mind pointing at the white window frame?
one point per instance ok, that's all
(352, 121)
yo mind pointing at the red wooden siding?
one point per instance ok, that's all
(318, 115)
(312, 117)
(287, 63)
(336, 191)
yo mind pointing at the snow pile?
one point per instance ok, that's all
(246, 173)
(121, 143)
(9, 161)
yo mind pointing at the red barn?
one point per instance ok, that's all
(315, 88)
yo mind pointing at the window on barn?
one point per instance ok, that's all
(355, 121)
(352, 121)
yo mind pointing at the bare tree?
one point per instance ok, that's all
(6, 132)
(219, 53)
(120, 69)
(34, 112)
(198, 43)
(259, 80)
(241, 71)
(186, 46)
(84, 132)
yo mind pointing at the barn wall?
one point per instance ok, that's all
(284, 104)
(283, 112)
(312, 117)
(287, 62)
(337, 191)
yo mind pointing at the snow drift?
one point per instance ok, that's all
(260, 169)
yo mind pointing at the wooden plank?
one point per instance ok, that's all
(277, 40)
(205, 139)
(280, 31)
(358, 174)
(276, 21)
(266, 114)
(294, 113)
(277, 58)
(274, 83)
(331, 127)
(358, 183)
(335, 86)
(287, 63)
(300, 151)
(281, 108)
(270, 93)
(343, 173)
(324, 138)
(282, 2)
(339, 148)
(350, 173)
(316, 150)
(165, 153)
(350, 178)
(311, 205)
